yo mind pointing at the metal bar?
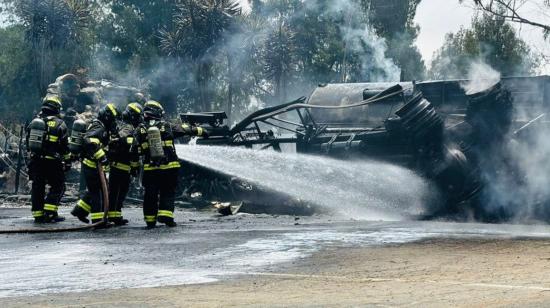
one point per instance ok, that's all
(259, 141)
(288, 122)
(282, 127)
(529, 123)
(273, 114)
(307, 107)
(6, 143)
(301, 117)
(455, 125)
(349, 130)
(311, 118)
(258, 128)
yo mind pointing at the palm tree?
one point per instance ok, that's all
(197, 35)
(242, 49)
(279, 58)
(57, 31)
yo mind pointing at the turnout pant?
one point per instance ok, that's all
(91, 201)
(42, 172)
(159, 195)
(119, 184)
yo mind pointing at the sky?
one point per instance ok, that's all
(438, 17)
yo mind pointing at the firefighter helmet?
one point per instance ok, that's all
(108, 115)
(139, 98)
(51, 104)
(133, 114)
(153, 110)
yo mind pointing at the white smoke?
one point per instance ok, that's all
(361, 40)
(481, 76)
(371, 50)
(516, 172)
(364, 50)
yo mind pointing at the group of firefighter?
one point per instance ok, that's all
(122, 143)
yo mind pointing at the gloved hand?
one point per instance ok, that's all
(104, 162)
(205, 133)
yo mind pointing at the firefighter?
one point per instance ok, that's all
(96, 140)
(160, 163)
(124, 158)
(47, 140)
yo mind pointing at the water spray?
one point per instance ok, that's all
(369, 190)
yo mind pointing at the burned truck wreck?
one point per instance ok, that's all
(435, 128)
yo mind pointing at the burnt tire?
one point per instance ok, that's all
(420, 120)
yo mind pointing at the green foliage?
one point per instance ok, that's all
(392, 17)
(394, 20)
(513, 11)
(47, 38)
(319, 50)
(202, 54)
(16, 75)
(199, 28)
(489, 39)
(278, 55)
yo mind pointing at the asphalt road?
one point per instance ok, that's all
(205, 247)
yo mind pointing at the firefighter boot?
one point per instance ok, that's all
(39, 220)
(53, 217)
(168, 221)
(81, 214)
(119, 221)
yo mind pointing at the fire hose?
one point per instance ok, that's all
(103, 222)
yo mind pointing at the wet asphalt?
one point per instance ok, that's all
(204, 247)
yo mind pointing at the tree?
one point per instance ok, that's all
(130, 31)
(59, 33)
(242, 50)
(44, 39)
(278, 57)
(319, 52)
(394, 21)
(489, 39)
(199, 26)
(16, 75)
(510, 11)
(204, 54)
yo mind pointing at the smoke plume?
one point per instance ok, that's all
(481, 76)
(516, 170)
(361, 40)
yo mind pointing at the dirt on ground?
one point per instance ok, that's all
(430, 273)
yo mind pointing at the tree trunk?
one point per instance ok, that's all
(203, 79)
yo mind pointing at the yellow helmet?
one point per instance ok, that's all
(153, 110)
(52, 103)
